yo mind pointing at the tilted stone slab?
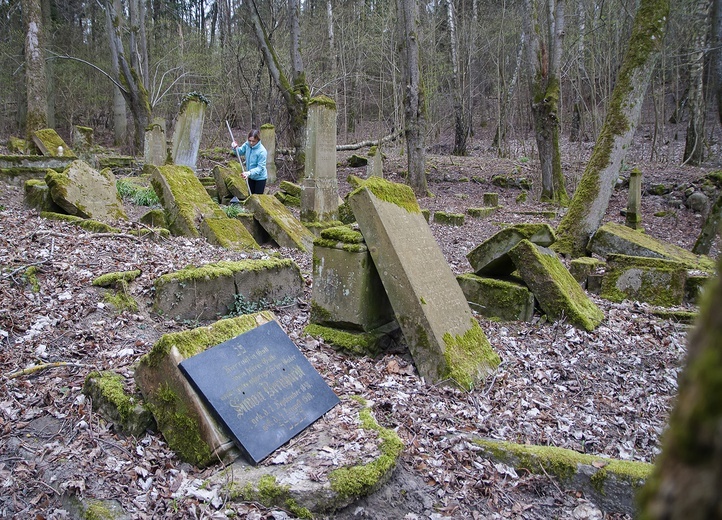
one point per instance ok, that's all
(227, 232)
(445, 340)
(186, 424)
(37, 196)
(51, 144)
(236, 184)
(651, 280)
(559, 295)
(16, 169)
(503, 299)
(614, 238)
(210, 291)
(84, 192)
(491, 258)
(280, 223)
(611, 484)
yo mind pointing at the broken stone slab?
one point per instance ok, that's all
(16, 169)
(126, 412)
(501, 299)
(559, 295)
(82, 137)
(188, 427)
(651, 280)
(347, 291)
(219, 175)
(51, 144)
(291, 188)
(480, 212)
(491, 258)
(155, 149)
(292, 481)
(259, 234)
(611, 484)
(88, 224)
(359, 343)
(581, 268)
(227, 232)
(214, 290)
(230, 183)
(280, 223)
(448, 219)
(17, 145)
(85, 192)
(614, 238)
(37, 196)
(445, 340)
(154, 218)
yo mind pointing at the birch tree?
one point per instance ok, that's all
(591, 198)
(35, 78)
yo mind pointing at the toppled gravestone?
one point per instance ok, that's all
(280, 223)
(186, 424)
(652, 280)
(559, 295)
(503, 299)
(51, 144)
(217, 289)
(445, 340)
(491, 257)
(190, 211)
(230, 183)
(37, 196)
(84, 192)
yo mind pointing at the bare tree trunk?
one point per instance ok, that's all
(500, 134)
(120, 115)
(461, 115)
(717, 54)
(575, 131)
(591, 199)
(694, 143)
(35, 78)
(687, 478)
(415, 111)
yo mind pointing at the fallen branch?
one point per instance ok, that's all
(44, 366)
(362, 144)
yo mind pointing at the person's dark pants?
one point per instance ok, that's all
(257, 187)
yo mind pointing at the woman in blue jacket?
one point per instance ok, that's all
(256, 155)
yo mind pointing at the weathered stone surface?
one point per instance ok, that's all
(581, 268)
(227, 232)
(16, 169)
(375, 166)
(372, 343)
(347, 290)
(155, 150)
(213, 290)
(319, 197)
(558, 293)
(219, 175)
(82, 137)
(448, 219)
(17, 145)
(37, 196)
(236, 184)
(268, 138)
(652, 280)
(480, 212)
(110, 400)
(695, 286)
(185, 422)
(610, 483)
(88, 224)
(290, 188)
(85, 192)
(491, 200)
(154, 218)
(506, 300)
(633, 217)
(51, 144)
(445, 340)
(259, 234)
(280, 223)
(614, 238)
(491, 258)
(188, 131)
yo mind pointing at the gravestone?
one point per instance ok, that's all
(445, 340)
(375, 166)
(155, 149)
(285, 229)
(82, 137)
(51, 144)
(189, 130)
(260, 386)
(268, 138)
(319, 197)
(491, 257)
(633, 218)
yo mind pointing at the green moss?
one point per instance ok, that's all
(322, 101)
(110, 279)
(94, 226)
(121, 299)
(357, 481)
(111, 389)
(221, 269)
(268, 126)
(96, 510)
(469, 357)
(454, 219)
(52, 141)
(319, 314)
(31, 277)
(660, 282)
(343, 234)
(359, 343)
(399, 194)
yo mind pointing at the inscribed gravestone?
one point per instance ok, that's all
(268, 138)
(189, 130)
(261, 387)
(319, 198)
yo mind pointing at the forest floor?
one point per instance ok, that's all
(606, 392)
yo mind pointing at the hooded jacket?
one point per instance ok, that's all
(255, 160)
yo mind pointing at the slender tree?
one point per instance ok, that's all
(462, 124)
(591, 199)
(120, 115)
(35, 78)
(717, 55)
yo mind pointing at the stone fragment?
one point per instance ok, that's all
(113, 403)
(558, 293)
(268, 138)
(51, 144)
(448, 219)
(581, 268)
(502, 299)
(651, 280)
(280, 223)
(491, 258)
(37, 196)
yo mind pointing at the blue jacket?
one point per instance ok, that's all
(255, 160)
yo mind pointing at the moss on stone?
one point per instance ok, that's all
(343, 234)
(88, 224)
(453, 219)
(322, 101)
(359, 343)
(110, 385)
(399, 194)
(96, 510)
(52, 141)
(220, 269)
(111, 279)
(121, 298)
(469, 357)
(31, 277)
(652, 280)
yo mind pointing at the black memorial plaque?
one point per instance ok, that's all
(261, 388)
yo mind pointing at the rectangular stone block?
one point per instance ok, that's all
(280, 223)
(502, 299)
(650, 280)
(491, 258)
(227, 232)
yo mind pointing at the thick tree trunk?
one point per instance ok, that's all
(710, 229)
(687, 478)
(35, 79)
(461, 116)
(591, 199)
(717, 54)
(120, 115)
(694, 143)
(414, 109)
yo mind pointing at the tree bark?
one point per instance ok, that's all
(710, 229)
(35, 77)
(414, 109)
(694, 143)
(461, 116)
(717, 54)
(687, 478)
(120, 115)
(591, 198)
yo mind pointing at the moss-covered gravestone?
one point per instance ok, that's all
(280, 223)
(51, 144)
(502, 299)
(189, 130)
(222, 288)
(445, 340)
(37, 196)
(84, 192)
(155, 150)
(652, 280)
(559, 295)
(491, 258)
(268, 138)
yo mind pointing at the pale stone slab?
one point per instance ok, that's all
(280, 223)
(189, 131)
(428, 302)
(502, 299)
(155, 147)
(51, 144)
(268, 138)
(85, 192)
(491, 257)
(227, 232)
(319, 198)
(652, 280)
(559, 295)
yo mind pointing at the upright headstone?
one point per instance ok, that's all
(445, 340)
(268, 138)
(155, 149)
(375, 166)
(634, 200)
(189, 130)
(82, 137)
(319, 198)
